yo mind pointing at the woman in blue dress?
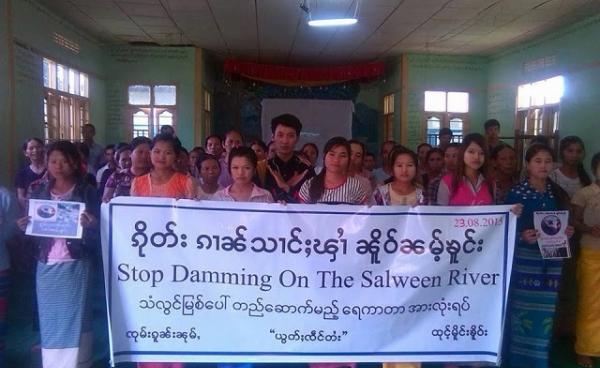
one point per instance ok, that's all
(535, 281)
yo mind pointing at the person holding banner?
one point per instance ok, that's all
(64, 266)
(469, 184)
(586, 218)
(535, 281)
(404, 190)
(242, 168)
(333, 185)
(209, 171)
(163, 180)
(119, 183)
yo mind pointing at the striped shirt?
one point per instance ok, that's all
(352, 191)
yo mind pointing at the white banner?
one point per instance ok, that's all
(230, 282)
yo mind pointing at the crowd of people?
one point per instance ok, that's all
(480, 170)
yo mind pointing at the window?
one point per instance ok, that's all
(444, 109)
(538, 107)
(66, 102)
(388, 117)
(151, 107)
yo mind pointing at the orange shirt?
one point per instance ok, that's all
(179, 186)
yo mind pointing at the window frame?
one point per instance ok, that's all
(152, 110)
(445, 117)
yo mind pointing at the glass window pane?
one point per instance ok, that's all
(524, 96)
(165, 118)
(435, 101)
(458, 102)
(538, 91)
(433, 128)
(71, 81)
(46, 73)
(141, 124)
(165, 95)
(554, 89)
(83, 85)
(61, 83)
(456, 125)
(139, 95)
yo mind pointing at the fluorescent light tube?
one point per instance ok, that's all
(332, 22)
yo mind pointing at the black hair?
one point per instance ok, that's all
(24, 145)
(445, 131)
(167, 138)
(164, 128)
(242, 151)
(88, 125)
(540, 139)
(261, 144)
(562, 198)
(317, 186)
(369, 154)
(595, 163)
(138, 141)
(361, 144)
(287, 120)
(83, 149)
(212, 136)
(121, 145)
(496, 150)
(491, 123)
(198, 149)
(70, 151)
(401, 150)
(310, 144)
(564, 144)
(120, 150)
(109, 146)
(433, 151)
(423, 145)
(206, 157)
(459, 173)
(452, 145)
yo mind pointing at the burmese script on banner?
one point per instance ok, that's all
(197, 281)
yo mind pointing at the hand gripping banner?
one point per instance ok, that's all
(203, 281)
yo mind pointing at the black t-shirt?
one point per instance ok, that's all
(287, 169)
(26, 176)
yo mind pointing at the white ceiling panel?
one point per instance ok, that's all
(276, 30)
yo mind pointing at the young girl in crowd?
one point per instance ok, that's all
(260, 148)
(242, 168)
(312, 153)
(450, 163)
(163, 180)
(504, 162)
(422, 150)
(404, 190)
(138, 164)
(209, 171)
(333, 185)
(469, 184)
(586, 218)
(8, 215)
(33, 149)
(434, 166)
(121, 174)
(571, 176)
(535, 281)
(357, 155)
(64, 266)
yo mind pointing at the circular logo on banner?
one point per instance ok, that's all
(551, 224)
